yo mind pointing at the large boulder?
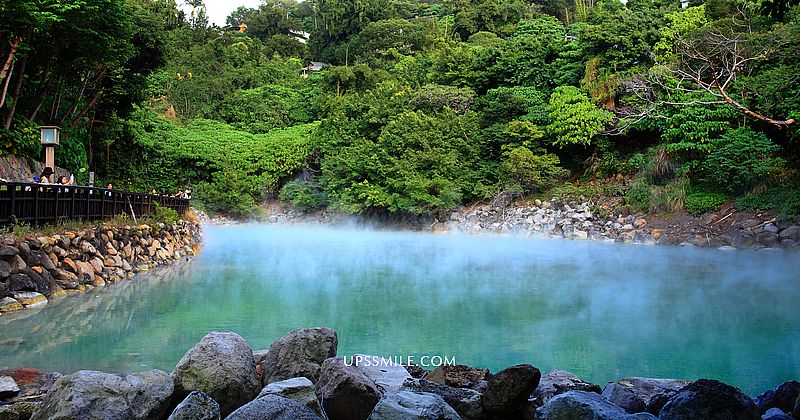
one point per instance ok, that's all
(196, 406)
(299, 353)
(580, 405)
(384, 372)
(409, 405)
(8, 387)
(709, 399)
(468, 403)
(776, 414)
(510, 388)
(273, 407)
(92, 395)
(33, 383)
(460, 376)
(345, 392)
(297, 389)
(638, 395)
(783, 396)
(558, 382)
(221, 365)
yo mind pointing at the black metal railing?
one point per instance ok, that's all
(44, 203)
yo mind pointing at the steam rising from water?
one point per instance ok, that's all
(603, 311)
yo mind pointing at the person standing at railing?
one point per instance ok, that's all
(46, 177)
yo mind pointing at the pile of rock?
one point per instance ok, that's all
(34, 269)
(570, 221)
(301, 377)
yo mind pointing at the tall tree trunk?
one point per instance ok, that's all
(44, 84)
(17, 90)
(74, 108)
(5, 86)
(10, 59)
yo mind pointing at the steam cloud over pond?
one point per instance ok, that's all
(603, 311)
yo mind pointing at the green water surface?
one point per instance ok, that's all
(602, 311)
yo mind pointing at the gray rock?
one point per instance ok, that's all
(345, 392)
(7, 251)
(221, 365)
(297, 389)
(637, 395)
(384, 372)
(8, 387)
(467, 402)
(20, 282)
(769, 239)
(558, 382)
(743, 240)
(97, 395)
(791, 232)
(196, 406)
(41, 259)
(461, 376)
(299, 353)
(273, 407)
(709, 399)
(5, 269)
(409, 405)
(776, 414)
(796, 410)
(783, 396)
(580, 405)
(771, 228)
(510, 388)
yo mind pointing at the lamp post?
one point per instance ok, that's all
(51, 136)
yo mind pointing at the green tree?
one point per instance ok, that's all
(574, 119)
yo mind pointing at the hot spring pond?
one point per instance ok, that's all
(602, 311)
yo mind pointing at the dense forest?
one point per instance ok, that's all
(418, 107)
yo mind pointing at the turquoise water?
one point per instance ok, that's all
(602, 311)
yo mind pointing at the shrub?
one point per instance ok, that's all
(740, 160)
(638, 194)
(164, 215)
(786, 200)
(704, 202)
(635, 163)
(304, 195)
(528, 172)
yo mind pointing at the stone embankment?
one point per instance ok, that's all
(301, 377)
(34, 269)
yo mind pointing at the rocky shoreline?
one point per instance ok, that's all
(301, 377)
(35, 269)
(570, 220)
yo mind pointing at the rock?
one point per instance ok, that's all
(558, 382)
(769, 239)
(509, 389)
(776, 414)
(17, 264)
(41, 278)
(412, 406)
(468, 403)
(20, 282)
(771, 228)
(639, 223)
(18, 410)
(709, 399)
(273, 407)
(221, 365)
(41, 259)
(384, 372)
(637, 395)
(299, 353)
(461, 376)
(5, 269)
(345, 392)
(196, 406)
(8, 304)
(580, 405)
(33, 383)
(791, 232)
(743, 240)
(297, 389)
(7, 251)
(96, 395)
(783, 396)
(30, 299)
(416, 371)
(8, 387)
(796, 410)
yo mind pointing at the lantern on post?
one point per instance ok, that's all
(51, 137)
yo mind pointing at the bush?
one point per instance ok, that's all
(704, 202)
(635, 163)
(740, 160)
(638, 195)
(304, 195)
(528, 172)
(164, 215)
(786, 200)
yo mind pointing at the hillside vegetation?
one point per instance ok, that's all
(424, 106)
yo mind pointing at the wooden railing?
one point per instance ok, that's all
(45, 203)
